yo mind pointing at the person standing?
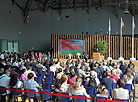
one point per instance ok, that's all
(4, 81)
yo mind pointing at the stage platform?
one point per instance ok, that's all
(114, 61)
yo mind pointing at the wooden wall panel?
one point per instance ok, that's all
(90, 44)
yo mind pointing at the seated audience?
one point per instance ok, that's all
(72, 79)
(52, 67)
(120, 93)
(67, 71)
(60, 73)
(77, 71)
(123, 67)
(114, 75)
(30, 71)
(118, 71)
(22, 66)
(80, 72)
(23, 75)
(103, 92)
(31, 84)
(4, 81)
(108, 82)
(130, 63)
(1, 71)
(128, 77)
(100, 70)
(78, 89)
(63, 87)
(92, 80)
(57, 65)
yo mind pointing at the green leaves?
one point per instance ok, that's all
(102, 47)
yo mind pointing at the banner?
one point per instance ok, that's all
(71, 46)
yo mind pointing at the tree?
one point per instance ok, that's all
(102, 47)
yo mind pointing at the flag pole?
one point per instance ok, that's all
(121, 41)
(109, 58)
(132, 39)
(121, 58)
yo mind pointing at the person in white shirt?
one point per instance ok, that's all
(2, 56)
(58, 65)
(79, 89)
(39, 65)
(120, 93)
(118, 71)
(128, 77)
(22, 66)
(60, 73)
(52, 67)
(15, 63)
(30, 71)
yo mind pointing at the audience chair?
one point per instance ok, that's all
(16, 94)
(104, 98)
(114, 85)
(79, 100)
(46, 86)
(91, 91)
(46, 97)
(128, 87)
(121, 100)
(3, 93)
(31, 95)
(48, 67)
(34, 69)
(110, 92)
(63, 99)
(49, 80)
(40, 78)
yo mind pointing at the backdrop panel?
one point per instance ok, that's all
(71, 46)
(90, 44)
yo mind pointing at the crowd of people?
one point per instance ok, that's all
(72, 76)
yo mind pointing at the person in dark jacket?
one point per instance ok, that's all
(108, 82)
(100, 71)
(123, 66)
(130, 63)
(91, 64)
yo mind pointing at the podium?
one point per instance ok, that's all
(97, 56)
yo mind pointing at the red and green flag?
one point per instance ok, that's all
(133, 24)
(122, 24)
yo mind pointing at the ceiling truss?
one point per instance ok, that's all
(59, 5)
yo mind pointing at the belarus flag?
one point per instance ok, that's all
(122, 24)
(133, 24)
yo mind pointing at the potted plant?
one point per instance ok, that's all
(102, 48)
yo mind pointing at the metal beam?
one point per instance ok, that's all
(13, 2)
(101, 4)
(27, 9)
(19, 6)
(74, 5)
(132, 7)
(116, 9)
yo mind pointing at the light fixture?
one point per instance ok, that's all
(126, 8)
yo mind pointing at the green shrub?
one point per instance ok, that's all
(102, 47)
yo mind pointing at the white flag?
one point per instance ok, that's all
(109, 25)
